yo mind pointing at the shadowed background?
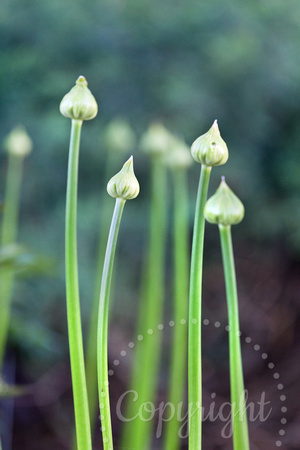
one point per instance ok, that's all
(185, 64)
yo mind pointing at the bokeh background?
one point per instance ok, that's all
(185, 64)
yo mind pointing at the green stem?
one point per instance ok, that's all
(194, 338)
(102, 361)
(82, 419)
(238, 402)
(91, 349)
(181, 277)
(137, 432)
(8, 236)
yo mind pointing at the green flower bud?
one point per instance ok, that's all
(210, 149)
(79, 103)
(119, 136)
(18, 142)
(156, 140)
(224, 208)
(124, 185)
(178, 156)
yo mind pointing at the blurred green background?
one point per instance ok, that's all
(185, 64)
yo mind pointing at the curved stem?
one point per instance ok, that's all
(181, 277)
(102, 362)
(194, 339)
(238, 402)
(82, 419)
(91, 347)
(8, 236)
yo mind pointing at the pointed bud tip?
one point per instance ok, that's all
(81, 80)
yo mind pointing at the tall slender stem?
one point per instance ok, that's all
(82, 419)
(238, 402)
(91, 348)
(181, 281)
(8, 236)
(102, 361)
(137, 432)
(194, 338)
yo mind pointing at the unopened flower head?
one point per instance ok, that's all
(210, 149)
(119, 136)
(224, 207)
(156, 140)
(79, 103)
(178, 156)
(18, 142)
(124, 184)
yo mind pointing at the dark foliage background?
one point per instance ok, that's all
(184, 63)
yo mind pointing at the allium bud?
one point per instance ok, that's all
(178, 156)
(224, 208)
(156, 140)
(119, 136)
(124, 184)
(210, 149)
(79, 103)
(18, 142)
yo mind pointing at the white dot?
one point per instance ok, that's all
(284, 409)
(217, 324)
(183, 321)
(102, 405)
(213, 395)
(116, 362)
(131, 345)
(194, 321)
(271, 365)
(278, 443)
(280, 386)
(264, 356)
(150, 331)
(205, 322)
(239, 333)
(227, 328)
(106, 383)
(171, 323)
(283, 421)
(282, 398)
(276, 375)
(248, 340)
(110, 372)
(160, 326)
(256, 347)
(103, 394)
(282, 432)
(123, 353)
(140, 337)
(103, 428)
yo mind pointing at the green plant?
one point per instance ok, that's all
(179, 160)
(123, 186)
(209, 150)
(78, 105)
(225, 209)
(18, 145)
(118, 139)
(137, 433)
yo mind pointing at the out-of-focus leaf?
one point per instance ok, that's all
(26, 263)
